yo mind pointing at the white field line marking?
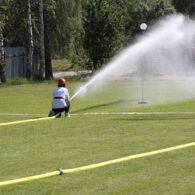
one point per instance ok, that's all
(101, 113)
(92, 166)
(84, 114)
(131, 113)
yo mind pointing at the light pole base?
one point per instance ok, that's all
(142, 102)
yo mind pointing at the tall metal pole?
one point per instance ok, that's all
(142, 79)
(143, 27)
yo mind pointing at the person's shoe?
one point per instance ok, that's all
(52, 113)
(67, 114)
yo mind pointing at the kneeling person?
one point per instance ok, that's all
(60, 100)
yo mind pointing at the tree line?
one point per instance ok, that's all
(87, 32)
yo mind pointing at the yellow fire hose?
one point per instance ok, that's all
(28, 120)
(61, 171)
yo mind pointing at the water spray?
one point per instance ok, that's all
(167, 39)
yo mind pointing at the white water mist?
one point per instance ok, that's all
(166, 49)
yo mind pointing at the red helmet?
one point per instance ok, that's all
(61, 81)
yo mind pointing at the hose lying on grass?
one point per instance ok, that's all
(29, 120)
(61, 171)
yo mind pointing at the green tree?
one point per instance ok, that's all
(63, 31)
(186, 7)
(30, 41)
(104, 27)
(69, 30)
(16, 26)
(63, 28)
(42, 42)
(2, 55)
(84, 31)
(148, 12)
(159, 8)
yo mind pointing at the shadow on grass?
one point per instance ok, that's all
(99, 106)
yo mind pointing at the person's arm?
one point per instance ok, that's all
(67, 98)
(67, 102)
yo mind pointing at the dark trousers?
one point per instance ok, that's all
(55, 111)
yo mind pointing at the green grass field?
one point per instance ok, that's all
(44, 146)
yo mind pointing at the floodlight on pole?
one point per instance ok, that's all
(143, 27)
